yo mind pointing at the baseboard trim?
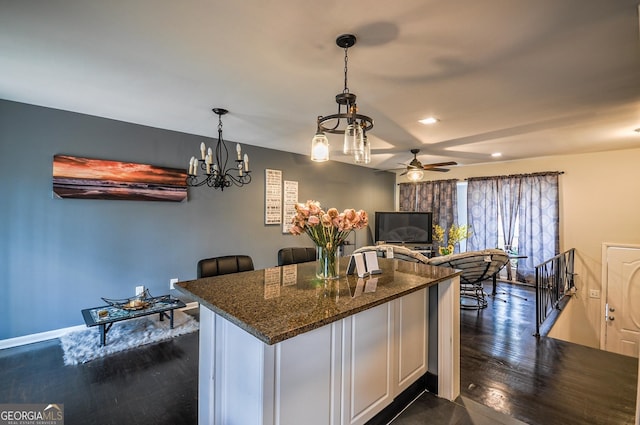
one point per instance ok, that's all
(401, 402)
(57, 333)
(39, 337)
(189, 306)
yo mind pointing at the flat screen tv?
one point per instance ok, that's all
(404, 227)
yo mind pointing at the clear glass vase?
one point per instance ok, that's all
(327, 263)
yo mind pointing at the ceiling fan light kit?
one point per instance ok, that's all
(415, 169)
(415, 175)
(355, 140)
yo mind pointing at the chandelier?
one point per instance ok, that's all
(347, 121)
(212, 170)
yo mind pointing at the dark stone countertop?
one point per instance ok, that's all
(278, 303)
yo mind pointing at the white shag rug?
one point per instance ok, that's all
(83, 346)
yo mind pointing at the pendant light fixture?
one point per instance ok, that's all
(347, 121)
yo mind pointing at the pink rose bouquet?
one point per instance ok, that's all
(328, 230)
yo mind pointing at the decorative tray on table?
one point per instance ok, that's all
(139, 302)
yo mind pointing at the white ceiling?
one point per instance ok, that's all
(525, 78)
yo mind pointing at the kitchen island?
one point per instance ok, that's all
(279, 346)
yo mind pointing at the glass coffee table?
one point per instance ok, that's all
(105, 316)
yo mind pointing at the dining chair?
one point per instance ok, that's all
(224, 265)
(295, 255)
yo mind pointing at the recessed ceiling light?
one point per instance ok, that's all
(496, 154)
(428, 120)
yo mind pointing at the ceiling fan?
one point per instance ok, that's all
(415, 169)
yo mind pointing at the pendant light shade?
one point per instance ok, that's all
(319, 147)
(353, 141)
(365, 158)
(367, 150)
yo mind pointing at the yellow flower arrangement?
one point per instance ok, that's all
(454, 236)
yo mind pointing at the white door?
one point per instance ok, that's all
(621, 300)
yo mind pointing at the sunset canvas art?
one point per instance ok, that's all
(86, 178)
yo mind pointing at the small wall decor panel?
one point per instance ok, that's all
(273, 196)
(85, 178)
(290, 201)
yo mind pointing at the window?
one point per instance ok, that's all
(522, 209)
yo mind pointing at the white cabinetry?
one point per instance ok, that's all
(385, 351)
(342, 373)
(368, 354)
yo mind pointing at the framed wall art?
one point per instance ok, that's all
(86, 178)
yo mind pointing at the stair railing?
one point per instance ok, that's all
(554, 283)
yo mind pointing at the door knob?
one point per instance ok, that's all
(611, 309)
(611, 318)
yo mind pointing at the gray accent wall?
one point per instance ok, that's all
(58, 256)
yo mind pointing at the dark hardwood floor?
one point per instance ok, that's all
(534, 380)
(541, 380)
(156, 384)
(507, 376)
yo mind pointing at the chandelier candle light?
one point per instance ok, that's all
(214, 169)
(328, 230)
(357, 125)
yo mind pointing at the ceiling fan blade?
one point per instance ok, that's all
(402, 174)
(438, 164)
(440, 170)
